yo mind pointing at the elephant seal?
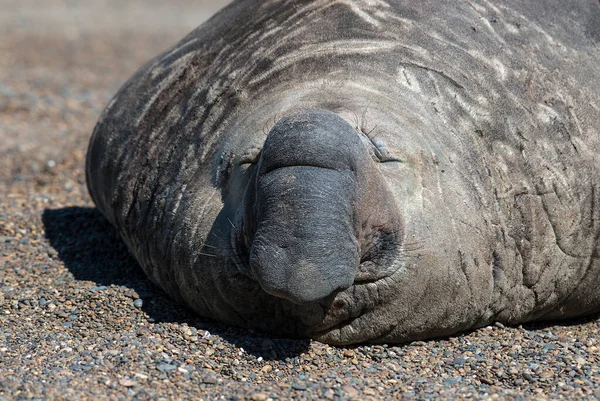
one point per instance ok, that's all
(365, 171)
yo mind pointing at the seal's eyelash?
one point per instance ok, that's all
(379, 150)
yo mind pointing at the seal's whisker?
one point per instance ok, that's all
(413, 248)
(363, 118)
(356, 120)
(218, 248)
(368, 134)
(207, 254)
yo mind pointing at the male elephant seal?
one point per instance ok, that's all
(367, 170)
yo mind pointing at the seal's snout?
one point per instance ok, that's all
(280, 273)
(304, 247)
(305, 199)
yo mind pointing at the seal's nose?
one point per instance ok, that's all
(305, 247)
(306, 199)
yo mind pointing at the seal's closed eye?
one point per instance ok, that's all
(249, 157)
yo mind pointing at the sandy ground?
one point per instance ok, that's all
(78, 320)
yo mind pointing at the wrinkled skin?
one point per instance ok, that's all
(365, 171)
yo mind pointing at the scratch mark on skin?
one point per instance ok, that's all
(557, 237)
(356, 9)
(493, 7)
(440, 73)
(337, 47)
(476, 9)
(463, 265)
(178, 199)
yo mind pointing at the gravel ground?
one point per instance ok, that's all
(78, 319)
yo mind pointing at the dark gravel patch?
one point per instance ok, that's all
(79, 320)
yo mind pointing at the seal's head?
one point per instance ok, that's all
(317, 217)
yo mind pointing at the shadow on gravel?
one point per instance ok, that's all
(89, 247)
(548, 324)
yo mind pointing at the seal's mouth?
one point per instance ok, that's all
(348, 314)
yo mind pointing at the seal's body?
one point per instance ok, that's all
(369, 170)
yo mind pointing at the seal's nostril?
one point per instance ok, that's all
(338, 304)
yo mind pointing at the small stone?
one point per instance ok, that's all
(299, 386)
(267, 368)
(350, 391)
(209, 380)
(348, 353)
(165, 367)
(258, 397)
(143, 332)
(454, 380)
(138, 303)
(127, 383)
(458, 361)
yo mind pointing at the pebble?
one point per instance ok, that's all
(299, 386)
(209, 380)
(127, 383)
(165, 367)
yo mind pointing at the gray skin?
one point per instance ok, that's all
(365, 171)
